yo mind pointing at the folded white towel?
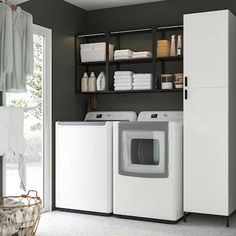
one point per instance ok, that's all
(123, 81)
(123, 85)
(123, 54)
(121, 73)
(123, 78)
(12, 142)
(142, 88)
(123, 88)
(124, 51)
(142, 84)
(143, 80)
(142, 76)
(123, 57)
(143, 54)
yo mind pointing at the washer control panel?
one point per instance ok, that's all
(111, 116)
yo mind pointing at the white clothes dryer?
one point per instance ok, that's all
(147, 167)
(84, 162)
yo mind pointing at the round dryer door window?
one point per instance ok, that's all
(143, 149)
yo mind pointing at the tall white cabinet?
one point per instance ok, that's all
(210, 113)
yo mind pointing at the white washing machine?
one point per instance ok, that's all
(84, 162)
(147, 167)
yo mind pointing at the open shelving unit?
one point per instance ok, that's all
(130, 39)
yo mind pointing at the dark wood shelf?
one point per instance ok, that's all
(93, 63)
(131, 61)
(133, 91)
(173, 58)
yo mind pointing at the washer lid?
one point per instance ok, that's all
(160, 116)
(111, 116)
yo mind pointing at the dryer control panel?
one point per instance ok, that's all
(160, 116)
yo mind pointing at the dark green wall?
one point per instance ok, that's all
(146, 15)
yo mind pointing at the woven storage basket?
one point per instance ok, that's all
(20, 215)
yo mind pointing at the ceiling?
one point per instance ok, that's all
(100, 4)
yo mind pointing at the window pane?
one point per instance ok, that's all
(32, 102)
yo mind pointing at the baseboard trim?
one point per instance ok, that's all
(149, 219)
(83, 212)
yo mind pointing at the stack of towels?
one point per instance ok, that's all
(142, 81)
(142, 54)
(128, 54)
(123, 80)
(123, 54)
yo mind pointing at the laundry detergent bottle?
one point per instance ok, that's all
(84, 83)
(173, 46)
(92, 83)
(101, 82)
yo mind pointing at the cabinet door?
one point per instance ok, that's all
(206, 49)
(206, 151)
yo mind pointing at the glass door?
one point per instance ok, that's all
(37, 124)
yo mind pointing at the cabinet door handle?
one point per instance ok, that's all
(186, 81)
(185, 94)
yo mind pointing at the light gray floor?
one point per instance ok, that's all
(62, 224)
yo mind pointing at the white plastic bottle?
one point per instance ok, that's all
(92, 83)
(173, 46)
(84, 83)
(101, 82)
(179, 46)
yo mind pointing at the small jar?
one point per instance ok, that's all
(167, 81)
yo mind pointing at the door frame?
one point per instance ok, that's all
(47, 117)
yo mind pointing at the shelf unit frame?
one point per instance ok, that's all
(106, 36)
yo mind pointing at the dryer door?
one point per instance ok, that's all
(143, 149)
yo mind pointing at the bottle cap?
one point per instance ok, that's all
(85, 74)
(92, 74)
